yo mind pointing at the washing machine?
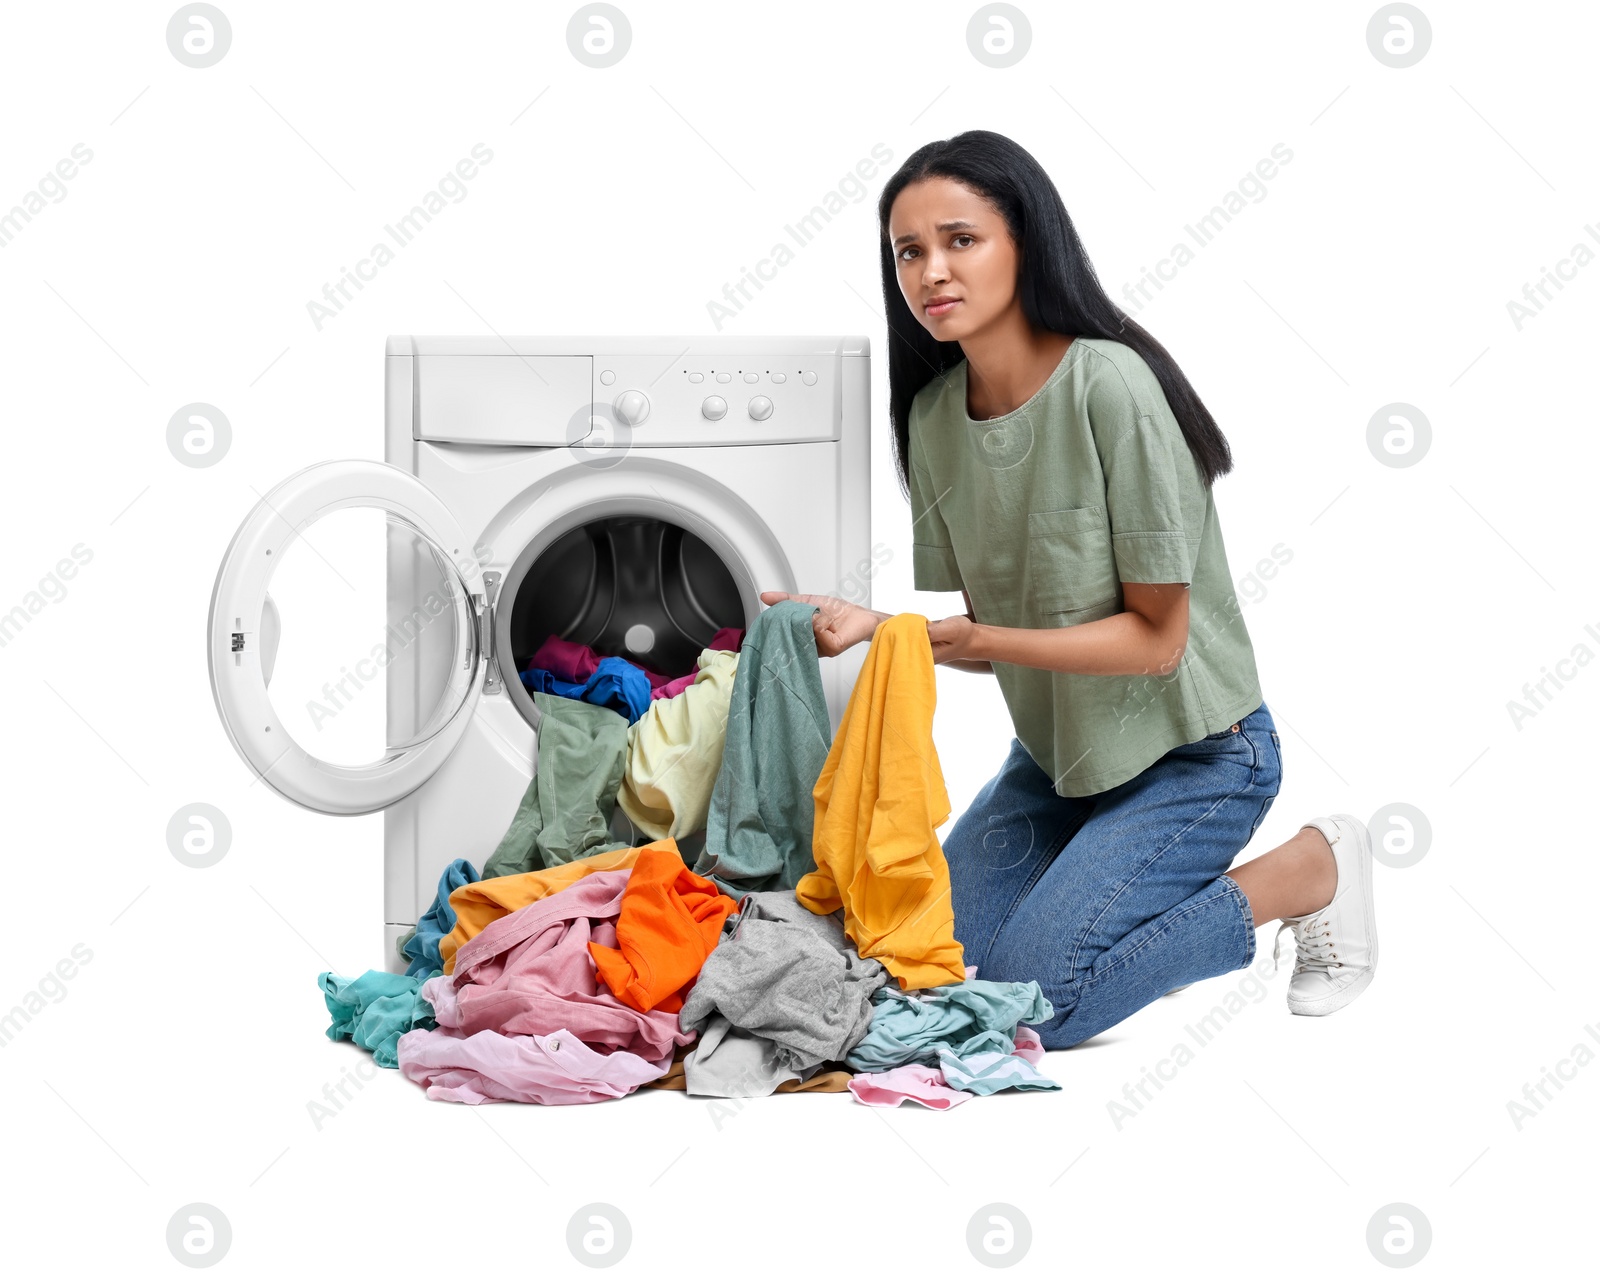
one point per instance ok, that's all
(632, 494)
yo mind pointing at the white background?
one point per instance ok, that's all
(179, 1063)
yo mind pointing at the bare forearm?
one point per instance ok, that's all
(1125, 644)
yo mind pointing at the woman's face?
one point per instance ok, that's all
(954, 256)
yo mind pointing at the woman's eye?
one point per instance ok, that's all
(906, 253)
(956, 242)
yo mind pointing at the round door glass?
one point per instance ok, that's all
(634, 586)
(376, 637)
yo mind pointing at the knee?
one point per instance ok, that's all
(1063, 1030)
(1011, 959)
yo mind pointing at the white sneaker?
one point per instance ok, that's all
(1336, 948)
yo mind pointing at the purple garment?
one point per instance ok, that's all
(569, 661)
(565, 659)
(530, 973)
(540, 1069)
(673, 688)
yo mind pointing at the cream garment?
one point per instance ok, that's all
(675, 750)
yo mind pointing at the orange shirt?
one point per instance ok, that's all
(671, 920)
(879, 797)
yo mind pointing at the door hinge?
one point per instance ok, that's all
(491, 590)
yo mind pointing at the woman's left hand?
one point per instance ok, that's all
(951, 638)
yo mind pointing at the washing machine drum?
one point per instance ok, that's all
(634, 586)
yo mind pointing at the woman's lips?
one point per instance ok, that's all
(941, 308)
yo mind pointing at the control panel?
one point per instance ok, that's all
(690, 400)
(654, 393)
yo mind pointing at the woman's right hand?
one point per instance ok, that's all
(838, 623)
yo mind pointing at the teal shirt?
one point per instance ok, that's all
(1042, 515)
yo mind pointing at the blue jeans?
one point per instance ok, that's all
(1109, 901)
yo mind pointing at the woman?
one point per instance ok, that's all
(1059, 467)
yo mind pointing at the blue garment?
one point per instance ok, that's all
(986, 1065)
(375, 1009)
(615, 683)
(1111, 900)
(963, 1018)
(422, 947)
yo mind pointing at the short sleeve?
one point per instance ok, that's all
(933, 561)
(1156, 498)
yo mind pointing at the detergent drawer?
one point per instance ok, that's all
(528, 399)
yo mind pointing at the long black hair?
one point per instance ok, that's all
(1055, 280)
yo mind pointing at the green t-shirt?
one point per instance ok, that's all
(1042, 515)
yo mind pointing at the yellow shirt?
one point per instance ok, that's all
(675, 750)
(879, 797)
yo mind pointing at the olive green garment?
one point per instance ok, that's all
(1042, 514)
(566, 812)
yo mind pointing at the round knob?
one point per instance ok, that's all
(714, 407)
(760, 407)
(808, 377)
(631, 407)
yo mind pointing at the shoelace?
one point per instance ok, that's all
(1313, 943)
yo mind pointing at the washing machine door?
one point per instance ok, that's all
(349, 612)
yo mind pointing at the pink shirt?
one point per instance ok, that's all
(530, 973)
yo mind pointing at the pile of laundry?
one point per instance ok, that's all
(808, 946)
